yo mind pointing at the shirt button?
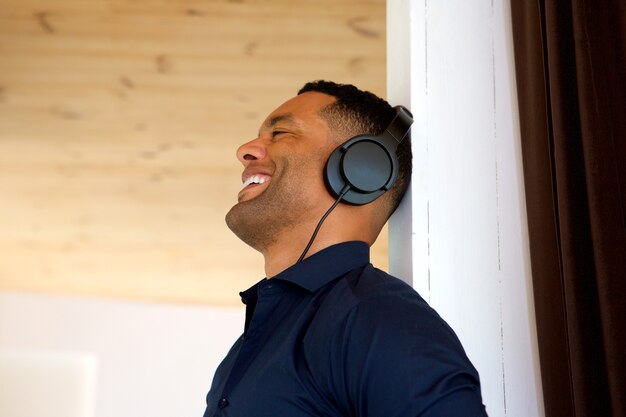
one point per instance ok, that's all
(223, 403)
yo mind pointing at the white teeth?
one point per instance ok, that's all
(255, 179)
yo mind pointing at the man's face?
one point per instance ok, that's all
(283, 184)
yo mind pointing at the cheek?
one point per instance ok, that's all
(308, 170)
(303, 173)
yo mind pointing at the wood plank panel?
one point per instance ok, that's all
(119, 121)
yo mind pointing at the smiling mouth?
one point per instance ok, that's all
(256, 180)
(252, 182)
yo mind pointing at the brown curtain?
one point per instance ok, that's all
(571, 78)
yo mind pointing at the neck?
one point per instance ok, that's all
(285, 253)
(288, 247)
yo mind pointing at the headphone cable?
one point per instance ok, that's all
(343, 192)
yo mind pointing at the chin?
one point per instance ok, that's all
(247, 227)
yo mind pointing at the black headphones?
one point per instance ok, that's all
(368, 165)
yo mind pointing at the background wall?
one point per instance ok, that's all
(119, 121)
(151, 359)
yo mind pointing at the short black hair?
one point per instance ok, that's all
(358, 112)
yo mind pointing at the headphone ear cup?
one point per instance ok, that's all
(366, 165)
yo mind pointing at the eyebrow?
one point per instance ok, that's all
(287, 117)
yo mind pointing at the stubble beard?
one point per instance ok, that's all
(260, 221)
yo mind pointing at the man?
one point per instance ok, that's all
(331, 335)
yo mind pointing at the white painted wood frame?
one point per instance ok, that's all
(460, 237)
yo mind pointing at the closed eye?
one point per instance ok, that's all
(277, 132)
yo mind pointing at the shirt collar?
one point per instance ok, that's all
(320, 268)
(324, 266)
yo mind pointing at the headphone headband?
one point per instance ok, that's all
(400, 125)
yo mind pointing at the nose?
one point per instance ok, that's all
(251, 151)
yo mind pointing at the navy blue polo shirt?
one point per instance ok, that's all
(334, 336)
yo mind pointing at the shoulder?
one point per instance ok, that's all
(384, 304)
(369, 312)
(388, 344)
(369, 296)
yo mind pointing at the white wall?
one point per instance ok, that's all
(152, 360)
(466, 250)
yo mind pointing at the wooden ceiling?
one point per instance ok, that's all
(119, 121)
